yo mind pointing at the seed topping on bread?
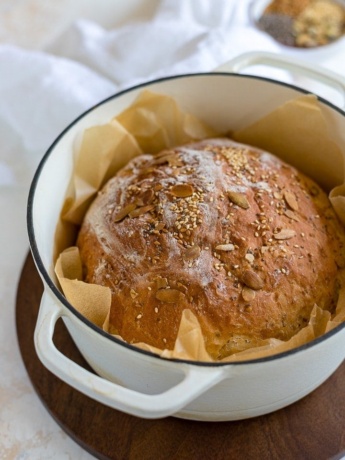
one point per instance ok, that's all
(228, 231)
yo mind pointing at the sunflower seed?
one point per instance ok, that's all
(225, 247)
(284, 234)
(124, 212)
(291, 215)
(146, 197)
(290, 199)
(139, 211)
(252, 280)
(182, 190)
(238, 199)
(277, 195)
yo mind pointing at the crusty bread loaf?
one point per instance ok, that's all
(226, 230)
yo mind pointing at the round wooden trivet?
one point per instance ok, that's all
(313, 428)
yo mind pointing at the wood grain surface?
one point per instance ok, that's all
(313, 428)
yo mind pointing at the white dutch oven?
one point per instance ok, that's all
(138, 382)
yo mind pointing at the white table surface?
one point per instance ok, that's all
(27, 431)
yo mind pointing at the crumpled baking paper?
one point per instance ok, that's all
(163, 125)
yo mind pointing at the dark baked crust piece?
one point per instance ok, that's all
(226, 230)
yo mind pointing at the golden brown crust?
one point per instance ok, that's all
(242, 239)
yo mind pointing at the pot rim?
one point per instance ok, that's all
(73, 310)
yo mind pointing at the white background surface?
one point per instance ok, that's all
(26, 429)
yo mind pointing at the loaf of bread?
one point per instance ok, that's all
(242, 239)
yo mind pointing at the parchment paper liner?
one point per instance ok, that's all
(298, 132)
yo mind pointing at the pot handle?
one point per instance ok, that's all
(196, 380)
(322, 75)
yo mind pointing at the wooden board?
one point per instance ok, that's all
(313, 428)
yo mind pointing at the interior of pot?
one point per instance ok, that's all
(226, 102)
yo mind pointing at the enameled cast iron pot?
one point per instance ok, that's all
(138, 382)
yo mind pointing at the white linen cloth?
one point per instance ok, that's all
(40, 93)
